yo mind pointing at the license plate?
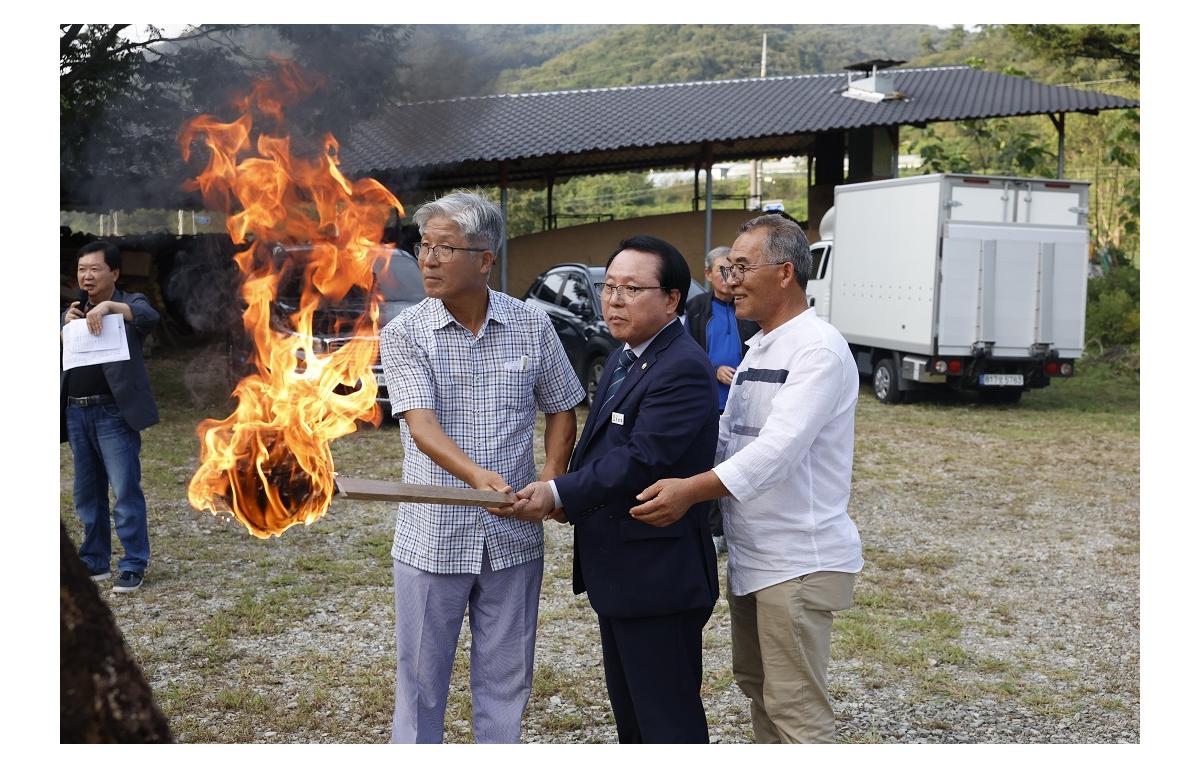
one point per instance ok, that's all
(1002, 380)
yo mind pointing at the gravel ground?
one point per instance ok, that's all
(999, 603)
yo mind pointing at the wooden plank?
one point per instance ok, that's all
(387, 490)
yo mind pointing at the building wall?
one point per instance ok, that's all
(529, 255)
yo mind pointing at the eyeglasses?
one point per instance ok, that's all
(739, 270)
(630, 292)
(441, 253)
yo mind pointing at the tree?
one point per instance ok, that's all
(111, 122)
(103, 695)
(1067, 43)
(1103, 149)
(122, 102)
(1093, 51)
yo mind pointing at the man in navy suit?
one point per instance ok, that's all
(653, 588)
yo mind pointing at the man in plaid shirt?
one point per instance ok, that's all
(467, 369)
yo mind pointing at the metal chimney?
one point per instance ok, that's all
(874, 87)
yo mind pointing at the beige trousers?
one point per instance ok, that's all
(781, 655)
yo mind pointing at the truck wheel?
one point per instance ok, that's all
(1001, 395)
(886, 382)
(593, 371)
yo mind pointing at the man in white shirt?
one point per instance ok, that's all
(783, 461)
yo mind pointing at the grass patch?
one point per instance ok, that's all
(928, 477)
(262, 614)
(1098, 386)
(378, 547)
(1044, 703)
(241, 700)
(550, 681)
(993, 666)
(342, 571)
(717, 680)
(924, 562)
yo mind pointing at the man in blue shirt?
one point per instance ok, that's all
(711, 322)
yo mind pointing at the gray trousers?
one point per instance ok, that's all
(502, 607)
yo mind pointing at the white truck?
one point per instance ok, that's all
(972, 282)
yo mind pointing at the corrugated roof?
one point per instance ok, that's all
(463, 140)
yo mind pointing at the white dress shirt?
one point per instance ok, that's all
(785, 452)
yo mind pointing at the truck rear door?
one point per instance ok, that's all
(1013, 269)
(1014, 286)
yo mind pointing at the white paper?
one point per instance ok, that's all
(82, 348)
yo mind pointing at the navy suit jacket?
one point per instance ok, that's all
(128, 379)
(668, 406)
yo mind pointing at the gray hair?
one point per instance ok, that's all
(720, 251)
(480, 220)
(785, 242)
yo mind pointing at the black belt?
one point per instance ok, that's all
(91, 400)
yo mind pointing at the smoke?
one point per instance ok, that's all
(118, 133)
(203, 286)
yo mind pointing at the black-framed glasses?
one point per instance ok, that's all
(739, 270)
(631, 292)
(441, 253)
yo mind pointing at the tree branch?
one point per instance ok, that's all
(200, 32)
(70, 33)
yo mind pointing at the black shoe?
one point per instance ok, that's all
(129, 581)
(100, 575)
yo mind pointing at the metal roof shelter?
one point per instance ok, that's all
(526, 136)
(536, 138)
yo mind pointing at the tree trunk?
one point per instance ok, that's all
(103, 696)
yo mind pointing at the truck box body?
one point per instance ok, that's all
(957, 265)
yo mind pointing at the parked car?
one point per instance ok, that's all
(399, 283)
(567, 293)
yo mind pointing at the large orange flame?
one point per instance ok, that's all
(269, 462)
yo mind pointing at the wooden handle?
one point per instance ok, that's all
(387, 490)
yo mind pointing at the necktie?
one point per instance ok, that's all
(618, 377)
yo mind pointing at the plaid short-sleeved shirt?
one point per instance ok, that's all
(485, 390)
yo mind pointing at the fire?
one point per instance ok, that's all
(269, 461)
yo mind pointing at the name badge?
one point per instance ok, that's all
(618, 418)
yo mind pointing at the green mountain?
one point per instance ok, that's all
(660, 53)
(445, 61)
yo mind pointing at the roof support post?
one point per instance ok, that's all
(826, 172)
(696, 188)
(504, 212)
(708, 192)
(549, 223)
(1060, 124)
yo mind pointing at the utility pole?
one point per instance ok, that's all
(756, 194)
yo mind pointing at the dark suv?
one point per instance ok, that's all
(399, 285)
(567, 293)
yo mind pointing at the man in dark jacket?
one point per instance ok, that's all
(653, 588)
(711, 322)
(102, 409)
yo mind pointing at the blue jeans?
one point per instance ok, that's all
(106, 452)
